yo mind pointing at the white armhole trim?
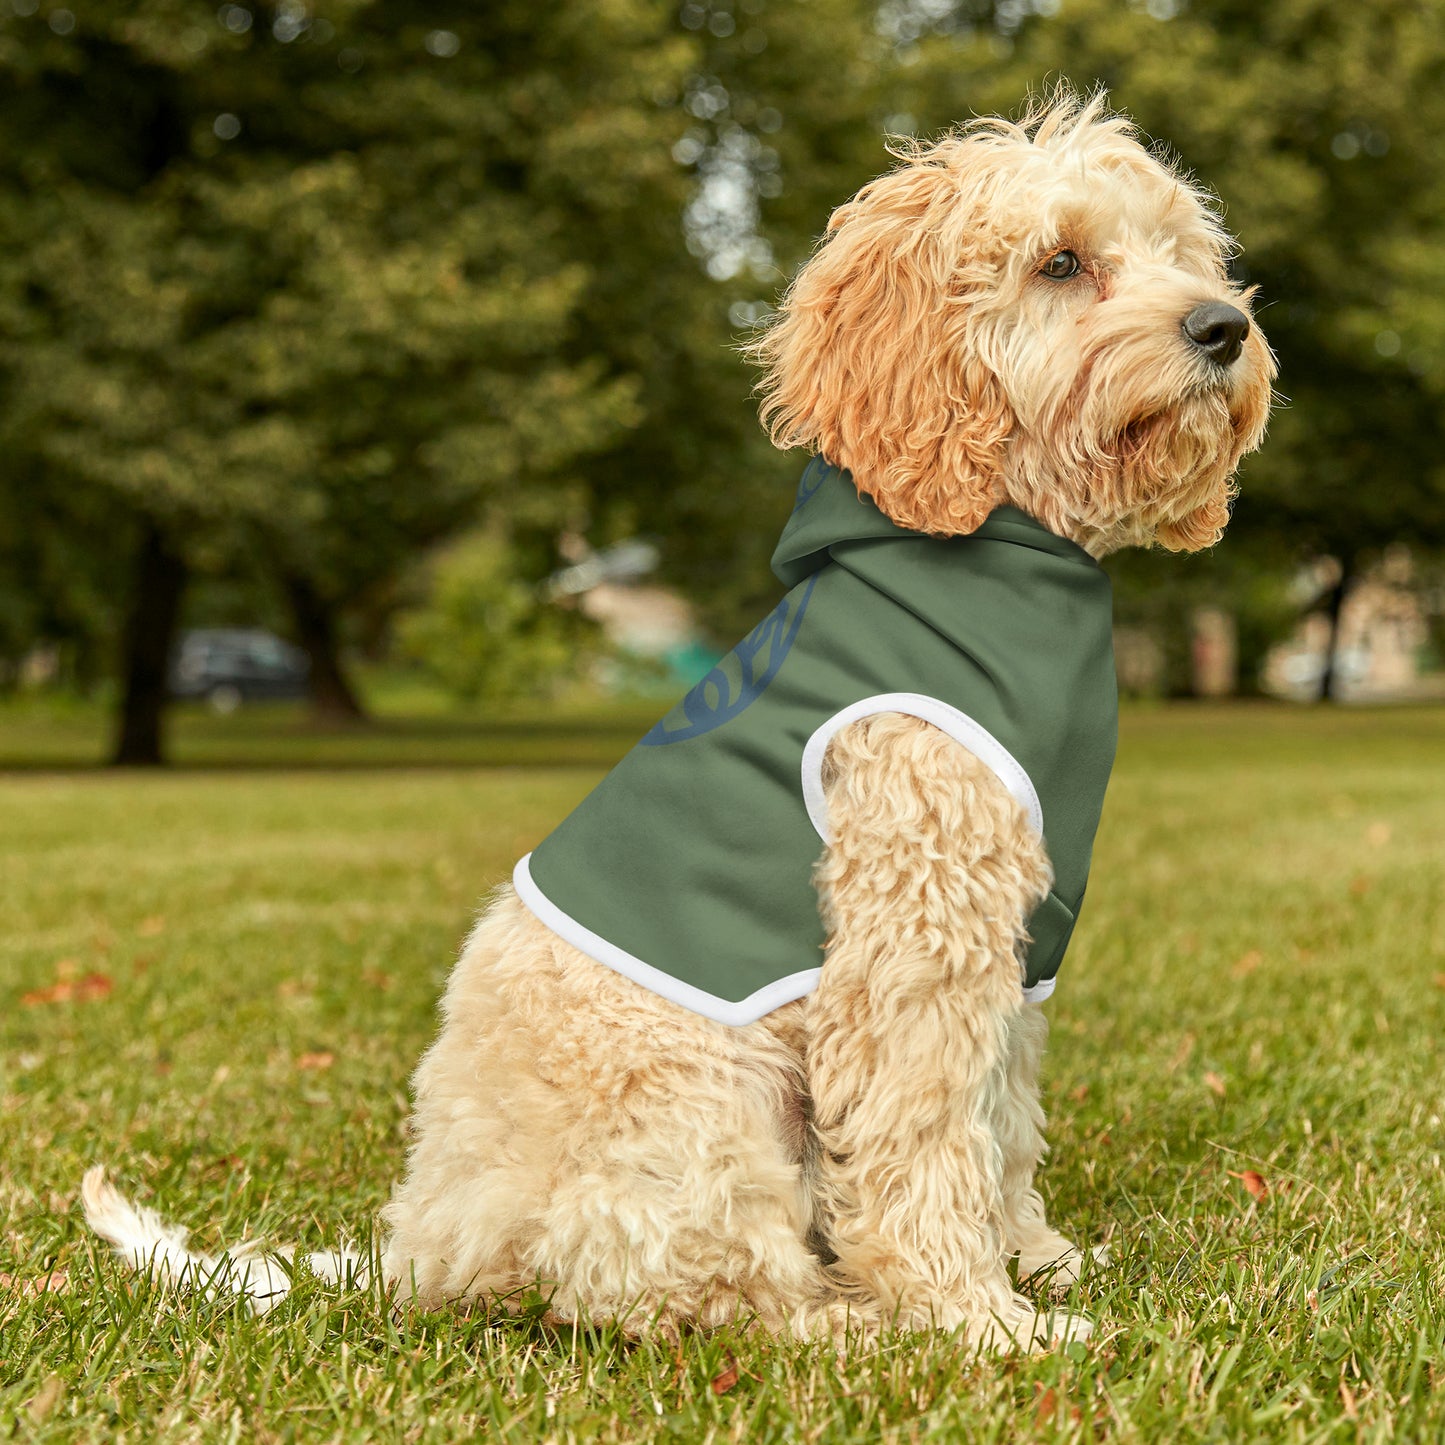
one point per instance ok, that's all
(958, 725)
(946, 718)
(699, 1001)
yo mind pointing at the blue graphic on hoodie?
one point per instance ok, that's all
(740, 679)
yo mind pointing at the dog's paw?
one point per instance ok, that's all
(1057, 1268)
(1023, 1326)
(1060, 1327)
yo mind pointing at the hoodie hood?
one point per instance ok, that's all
(830, 514)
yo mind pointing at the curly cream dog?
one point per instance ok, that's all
(1032, 315)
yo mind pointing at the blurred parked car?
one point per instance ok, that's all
(230, 665)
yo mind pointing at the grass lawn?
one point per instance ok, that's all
(216, 980)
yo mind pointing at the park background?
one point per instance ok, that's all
(383, 330)
(408, 333)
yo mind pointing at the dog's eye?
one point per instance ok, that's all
(1060, 266)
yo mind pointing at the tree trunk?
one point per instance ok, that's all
(150, 629)
(1329, 676)
(333, 699)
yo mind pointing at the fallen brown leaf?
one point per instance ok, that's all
(1214, 1083)
(1247, 964)
(723, 1382)
(1254, 1182)
(56, 1282)
(321, 1059)
(1181, 1054)
(81, 990)
(56, 993)
(1046, 1407)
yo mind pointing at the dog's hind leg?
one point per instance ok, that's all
(680, 1197)
(925, 887)
(578, 1136)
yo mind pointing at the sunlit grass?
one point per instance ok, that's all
(1258, 985)
(411, 725)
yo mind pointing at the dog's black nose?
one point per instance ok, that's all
(1217, 330)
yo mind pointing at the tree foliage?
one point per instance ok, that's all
(315, 284)
(1316, 122)
(480, 633)
(323, 284)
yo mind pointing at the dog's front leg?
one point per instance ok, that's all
(925, 887)
(1042, 1251)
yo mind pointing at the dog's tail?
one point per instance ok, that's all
(147, 1243)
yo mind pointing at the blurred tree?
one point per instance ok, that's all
(305, 280)
(480, 633)
(326, 283)
(58, 572)
(780, 114)
(1317, 122)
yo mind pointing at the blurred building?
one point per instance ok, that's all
(1382, 647)
(657, 643)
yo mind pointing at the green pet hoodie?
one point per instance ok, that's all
(689, 867)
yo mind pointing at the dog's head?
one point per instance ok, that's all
(1036, 313)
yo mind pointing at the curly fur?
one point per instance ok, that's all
(865, 1156)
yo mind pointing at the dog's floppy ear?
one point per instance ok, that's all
(871, 360)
